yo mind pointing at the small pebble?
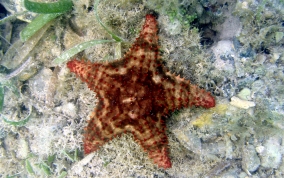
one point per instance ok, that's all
(245, 94)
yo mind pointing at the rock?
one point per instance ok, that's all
(229, 147)
(225, 56)
(23, 149)
(271, 156)
(242, 175)
(189, 140)
(16, 6)
(223, 48)
(230, 28)
(43, 86)
(240, 68)
(250, 160)
(173, 28)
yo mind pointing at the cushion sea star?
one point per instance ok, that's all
(136, 93)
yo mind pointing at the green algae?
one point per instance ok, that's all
(61, 6)
(17, 123)
(78, 48)
(38, 23)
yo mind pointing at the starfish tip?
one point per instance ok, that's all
(72, 65)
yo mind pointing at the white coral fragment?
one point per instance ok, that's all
(237, 102)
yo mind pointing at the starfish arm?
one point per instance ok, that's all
(151, 135)
(100, 129)
(160, 156)
(149, 31)
(88, 72)
(200, 97)
(181, 93)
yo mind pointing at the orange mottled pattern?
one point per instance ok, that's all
(136, 94)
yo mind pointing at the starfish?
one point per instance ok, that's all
(136, 93)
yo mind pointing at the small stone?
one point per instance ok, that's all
(260, 59)
(258, 88)
(245, 5)
(234, 138)
(260, 71)
(69, 109)
(27, 74)
(23, 149)
(242, 175)
(276, 56)
(229, 148)
(235, 101)
(269, 14)
(2, 153)
(278, 36)
(260, 149)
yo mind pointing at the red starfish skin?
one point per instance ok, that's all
(136, 93)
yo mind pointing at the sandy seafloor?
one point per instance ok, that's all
(233, 49)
